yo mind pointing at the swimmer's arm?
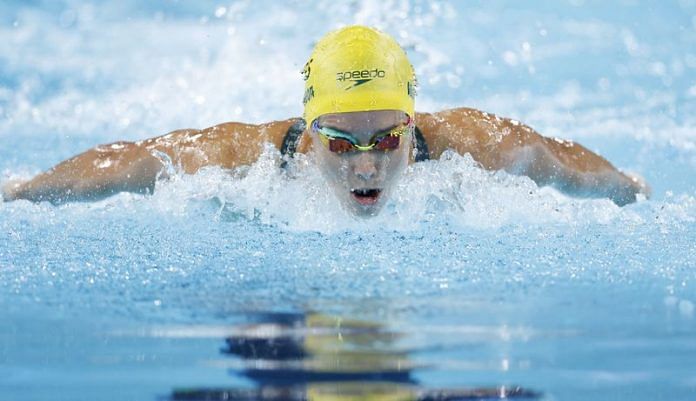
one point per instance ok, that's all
(136, 166)
(92, 175)
(566, 166)
(504, 144)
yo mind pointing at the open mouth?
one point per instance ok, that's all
(366, 197)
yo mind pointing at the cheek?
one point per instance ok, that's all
(339, 165)
(342, 170)
(398, 161)
(333, 167)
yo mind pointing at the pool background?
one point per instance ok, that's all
(492, 280)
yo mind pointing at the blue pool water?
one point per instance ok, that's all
(254, 285)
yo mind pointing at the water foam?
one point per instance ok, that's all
(453, 190)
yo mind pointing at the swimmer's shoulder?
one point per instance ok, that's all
(238, 132)
(488, 138)
(226, 145)
(461, 129)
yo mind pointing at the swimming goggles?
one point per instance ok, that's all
(340, 141)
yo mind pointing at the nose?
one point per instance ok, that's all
(365, 166)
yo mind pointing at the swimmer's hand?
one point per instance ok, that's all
(10, 189)
(639, 185)
(624, 188)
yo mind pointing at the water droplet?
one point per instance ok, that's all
(220, 12)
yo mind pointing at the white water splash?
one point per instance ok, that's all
(452, 189)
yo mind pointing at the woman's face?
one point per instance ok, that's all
(362, 180)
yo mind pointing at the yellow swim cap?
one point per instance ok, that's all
(357, 69)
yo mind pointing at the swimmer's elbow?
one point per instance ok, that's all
(139, 178)
(535, 162)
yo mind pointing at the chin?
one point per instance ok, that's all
(365, 211)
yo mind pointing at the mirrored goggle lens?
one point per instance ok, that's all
(388, 142)
(339, 145)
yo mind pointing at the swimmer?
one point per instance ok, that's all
(360, 121)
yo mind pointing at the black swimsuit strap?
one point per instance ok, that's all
(422, 153)
(292, 139)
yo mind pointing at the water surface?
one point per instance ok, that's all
(470, 283)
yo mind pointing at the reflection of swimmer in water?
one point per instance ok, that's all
(319, 348)
(360, 121)
(317, 357)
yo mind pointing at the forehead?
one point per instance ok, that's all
(363, 121)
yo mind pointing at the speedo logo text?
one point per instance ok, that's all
(359, 77)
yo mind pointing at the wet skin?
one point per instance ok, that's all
(495, 143)
(363, 180)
